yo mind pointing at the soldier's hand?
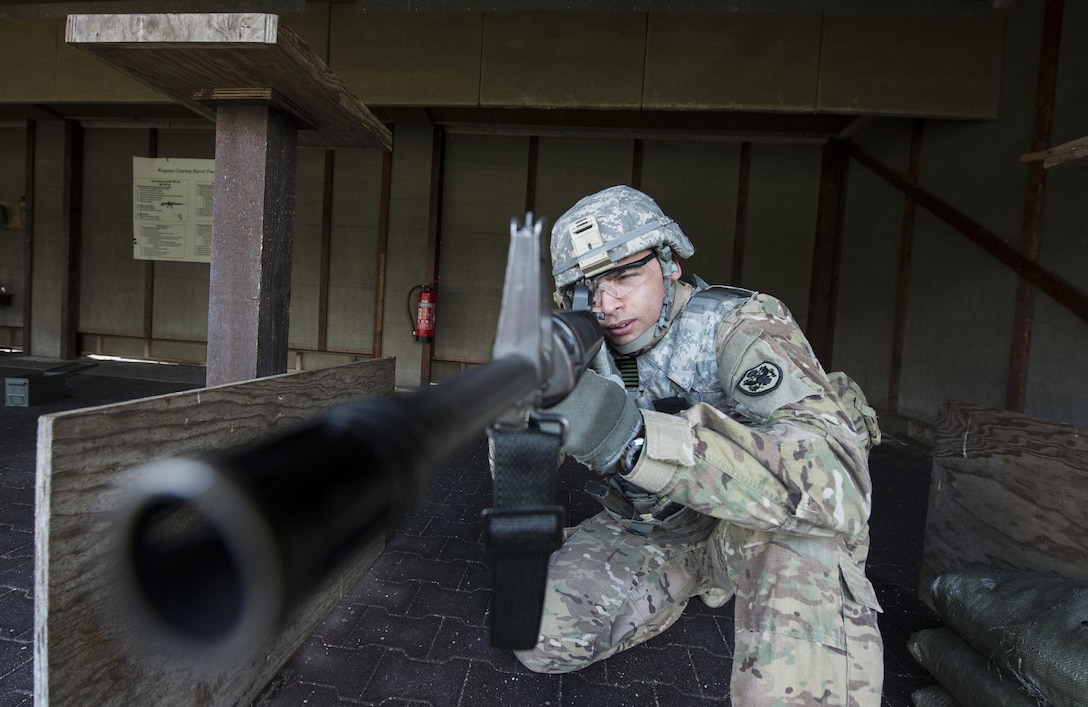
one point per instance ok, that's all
(602, 421)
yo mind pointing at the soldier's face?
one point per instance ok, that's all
(627, 318)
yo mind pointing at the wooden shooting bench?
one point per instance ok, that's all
(85, 652)
(267, 93)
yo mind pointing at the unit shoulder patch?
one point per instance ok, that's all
(760, 379)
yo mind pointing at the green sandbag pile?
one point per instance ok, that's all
(935, 696)
(1020, 629)
(966, 675)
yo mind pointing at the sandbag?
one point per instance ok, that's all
(934, 696)
(1033, 624)
(971, 679)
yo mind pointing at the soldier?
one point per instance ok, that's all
(731, 465)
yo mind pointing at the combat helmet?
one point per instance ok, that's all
(603, 229)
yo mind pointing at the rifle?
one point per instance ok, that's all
(215, 551)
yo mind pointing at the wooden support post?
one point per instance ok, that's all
(28, 234)
(1016, 390)
(740, 229)
(531, 173)
(326, 251)
(256, 152)
(434, 233)
(149, 265)
(383, 251)
(824, 286)
(73, 239)
(902, 285)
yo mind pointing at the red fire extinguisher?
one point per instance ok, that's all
(424, 319)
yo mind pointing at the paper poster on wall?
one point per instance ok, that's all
(172, 209)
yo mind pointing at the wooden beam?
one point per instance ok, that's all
(1061, 291)
(84, 654)
(902, 284)
(1070, 154)
(191, 56)
(1034, 199)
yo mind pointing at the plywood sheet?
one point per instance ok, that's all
(732, 61)
(83, 655)
(408, 59)
(1007, 491)
(563, 60)
(30, 45)
(941, 67)
(211, 54)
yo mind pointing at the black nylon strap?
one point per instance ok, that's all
(521, 531)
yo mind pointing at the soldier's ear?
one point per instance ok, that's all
(677, 271)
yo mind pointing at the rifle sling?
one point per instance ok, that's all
(521, 531)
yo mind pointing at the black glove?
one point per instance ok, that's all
(602, 421)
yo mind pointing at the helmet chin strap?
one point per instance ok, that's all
(654, 333)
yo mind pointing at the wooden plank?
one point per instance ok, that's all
(1007, 491)
(83, 653)
(182, 54)
(1069, 154)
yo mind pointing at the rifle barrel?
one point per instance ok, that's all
(216, 551)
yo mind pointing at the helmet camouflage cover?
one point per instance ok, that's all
(604, 228)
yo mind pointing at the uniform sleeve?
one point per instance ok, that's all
(788, 459)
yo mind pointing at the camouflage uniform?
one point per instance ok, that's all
(774, 453)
